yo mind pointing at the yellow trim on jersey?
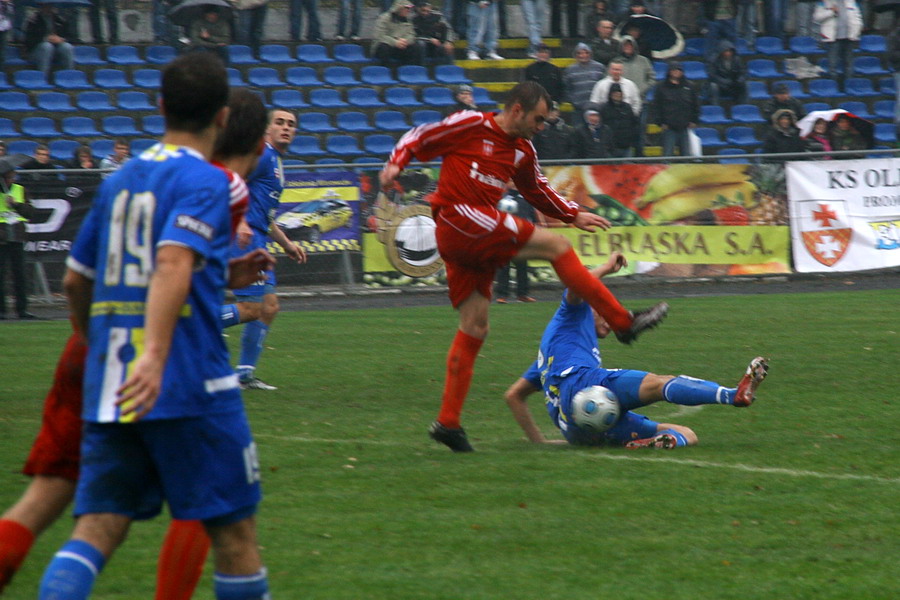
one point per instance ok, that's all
(137, 342)
(114, 307)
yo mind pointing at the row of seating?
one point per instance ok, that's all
(744, 136)
(800, 45)
(767, 68)
(750, 114)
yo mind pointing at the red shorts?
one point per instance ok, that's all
(474, 242)
(57, 448)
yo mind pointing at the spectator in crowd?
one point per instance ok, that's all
(434, 34)
(893, 59)
(599, 11)
(546, 73)
(394, 38)
(456, 13)
(784, 136)
(121, 154)
(746, 21)
(112, 21)
(15, 210)
(631, 94)
(580, 77)
(313, 25)
(3, 148)
(571, 18)
(514, 204)
(534, 15)
(676, 105)
(844, 136)
(210, 32)
(40, 161)
(482, 23)
(639, 69)
(163, 28)
(719, 17)
(625, 126)
(465, 100)
(840, 25)
(781, 98)
(82, 158)
(593, 138)
(818, 140)
(556, 141)
(251, 20)
(775, 17)
(804, 15)
(635, 7)
(635, 32)
(45, 40)
(727, 76)
(349, 19)
(7, 14)
(605, 47)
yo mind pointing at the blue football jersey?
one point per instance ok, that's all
(266, 183)
(167, 195)
(569, 342)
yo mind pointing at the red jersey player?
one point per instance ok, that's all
(481, 152)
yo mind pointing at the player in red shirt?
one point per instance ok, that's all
(481, 153)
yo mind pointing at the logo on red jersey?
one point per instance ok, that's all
(487, 147)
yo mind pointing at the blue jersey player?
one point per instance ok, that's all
(569, 361)
(162, 422)
(257, 304)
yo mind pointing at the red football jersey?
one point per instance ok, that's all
(239, 196)
(479, 158)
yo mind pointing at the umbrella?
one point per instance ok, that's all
(63, 3)
(664, 40)
(864, 127)
(190, 10)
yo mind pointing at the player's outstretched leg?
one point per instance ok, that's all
(642, 320)
(455, 439)
(746, 389)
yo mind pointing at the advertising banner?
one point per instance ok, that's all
(320, 210)
(845, 215)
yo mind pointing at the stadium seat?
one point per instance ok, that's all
(342, 145)
(8, 129)
(275, 54)
(15, 101)
(94, 101)
(886, 86)
(22, 147)
(261, 94)
(367, 160)
(111, 79)
(239, 54)
(354, 121)
(101, 148)
(326, 98)
(135, 101)
(379, 144)
(709, 137)
(38, 127)
(315, 122)
(123, 55)
(825, 88)
(293, 162)
(757, 90)
(376, 75)
(811, 106)
(336, 162)
(55, 102)
(154, 125)
(746, 113)
(119, 126)
(763, 68)
(88, 55)
(857, 108)
(886, 133)
(694, 70)
(414, 75)
(364, 98)
(741, 135)
(340, 76)
(710, 114)
(71, 79)
(483, 98)
(306, 145)
(660, 68)
(884, 109)
(13, 58)
(30, 79)
(438, 96)
(289, 99)
(804, 45)
(147, 78)
(694, 46)
(401, 96)
(860, 87)
(160, 55)
(79, 127)
(350, 53)
(141, 144)
(451, 74)
(61, 150)
(770, 45)
(391, 120)
(302, 77)
(731, 152)
(4, 82)
(872, 44)
(422, 117)
(235, 79)
(794, 87)
(313, 53)
(264, 77)
(869, 66)
(743, 48)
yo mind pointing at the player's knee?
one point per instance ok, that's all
(235, 546)
(651, 389)
(270, 308)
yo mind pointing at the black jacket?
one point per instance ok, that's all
(548, 75)
(676, 104)
(592, 143)
(771, 106)
(727, 74)
(36, 29)
(555, 141)
(622, 122)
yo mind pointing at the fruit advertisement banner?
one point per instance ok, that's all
(845, 215)
(320, 210)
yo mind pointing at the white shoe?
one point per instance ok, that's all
(472, 55)
(494, 56)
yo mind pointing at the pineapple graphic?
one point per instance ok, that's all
(769, 205)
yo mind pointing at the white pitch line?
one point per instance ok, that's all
(631, 457)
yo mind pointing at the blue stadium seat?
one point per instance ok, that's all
(343, 145)
(101, 148)
(154, 125)
(326, 98)
(261, 94)
(794, 87)
(710, 114)
(302, 77)
(30, 79)
(160, 55)
(732, 152)
(94, 101)
(88, 55)
(857, 108)
(860, 87)
(770, 45)
(379, 144)
(289, 99)
(872, 44)
(483, 98)
(39, 127)
(306, 145)
(337, 164)
(869, 66)
(22, 147)
(886, 86)
(147, 78)
(141, 144)
(119, 126)
(293, 162)
(824, 88)
(709, 137)
(451, 74)
(376, 75)
(743, 47)
(694, 70)
(401, 96)
(55, 102)
(741, 135)
(339, 76)
(135, 101)
(660, 68)
(111, 79)
(811, 106)
(63, 149)
(757, 90)
(804, 45)
(4, 83)
(8, 129)
(264, 77)
(694, 46)
(391, 120)
(884, 109)
(422, 117)
(438, 96)
(354, 121)
(367, 160)
(746, 113)
(313, 53)
(886, 133)
(123, 55)
(79, 127)
(276, 54)
(763, 68)
(239, 54)
(315, 122)
(71, 79)
(364, 97)
(350, 53)
(13, 58)
(235, 79)
(414, 75)
(15, 101)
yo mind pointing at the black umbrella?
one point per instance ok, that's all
(63, 3)
(190, 10)
(664, 40)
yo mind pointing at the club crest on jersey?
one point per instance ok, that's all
(824, 227)
(487, 147)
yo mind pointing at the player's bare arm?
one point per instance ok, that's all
(79, 292)
(294, 250)
(614, 264)
(517, 400)
(388, 174)
(245, 270)
(588, 221)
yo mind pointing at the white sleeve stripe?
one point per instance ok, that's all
(84, 270)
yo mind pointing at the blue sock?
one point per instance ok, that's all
(252, 339)
(242, 587)
(230, 315)
(71, 573)
(680, 440)
(688, 391)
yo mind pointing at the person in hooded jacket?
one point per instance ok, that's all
(593, 139)
(556, 140)
(727, 76)
(394, 37)
(625, 126)
(639, 69)
(784, 136)
(676, 105)
(579, 77)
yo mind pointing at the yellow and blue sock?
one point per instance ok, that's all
(230, 315)
(252, 339)
(72, 572)
(242, 587)
(689, 391)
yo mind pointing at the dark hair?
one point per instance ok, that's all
(194, 88)
(247, 123)
(83, 149)
(121, 142)
(528, 94)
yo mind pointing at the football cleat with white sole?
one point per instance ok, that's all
(256, 384)
(642, 320)
(746, 389)
(455, 439)
(663, 441)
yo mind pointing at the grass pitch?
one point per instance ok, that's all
(792, 498)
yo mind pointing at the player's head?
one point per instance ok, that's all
(244, 135)
(600, 325)
(527, 106)
(194, 92)
(282, 128)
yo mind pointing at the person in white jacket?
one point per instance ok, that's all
(840, 24)
(630, 92)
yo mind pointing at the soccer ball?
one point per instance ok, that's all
(595, 408)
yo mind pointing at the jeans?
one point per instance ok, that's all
(353, 8)
(671, 137)
(534, 12)
(112, 21)
(571, 17)
(455, 15)
(840, 58)
(482, 27)
(313, 28)
(745, 22)
(776, 15)
(162, 27)
(45, 55)
(805, 25)
(251, 21)
(716, 31)
(737, 92)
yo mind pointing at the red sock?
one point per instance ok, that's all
(576, 277)
(181, 560)
(460, 367)
(15, 542)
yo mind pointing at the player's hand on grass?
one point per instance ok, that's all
(138, 394)
(588, 221)
(387, 176)
(246, 270)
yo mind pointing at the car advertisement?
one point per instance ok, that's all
(321, 211)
